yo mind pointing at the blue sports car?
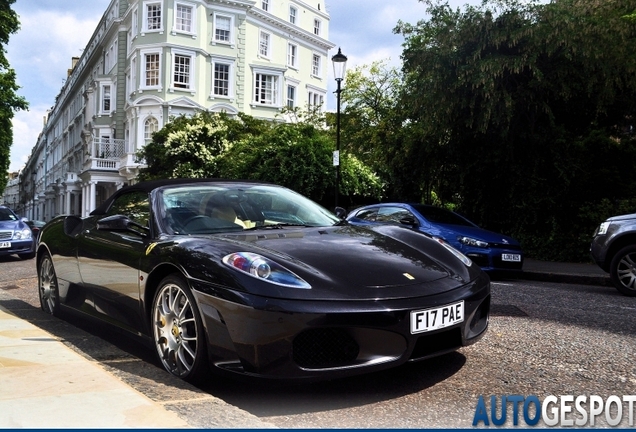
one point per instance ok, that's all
(489, 250)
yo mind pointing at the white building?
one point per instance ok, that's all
(151, 60)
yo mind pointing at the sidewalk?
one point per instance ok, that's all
(46, 384)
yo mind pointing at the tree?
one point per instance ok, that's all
(522, 104)
(10, 102)
(192, 146)
(296, 155)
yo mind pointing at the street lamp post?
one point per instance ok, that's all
(339, 65)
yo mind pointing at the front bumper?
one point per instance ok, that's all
(491, 260)
(598, 251)
(17, 247)
(288, 339)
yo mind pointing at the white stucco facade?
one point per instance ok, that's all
(151, 60)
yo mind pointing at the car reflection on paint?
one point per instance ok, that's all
(253, 278)
(492, 251)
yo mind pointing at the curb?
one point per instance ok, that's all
(565, 278)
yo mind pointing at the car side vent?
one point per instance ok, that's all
(325, 348)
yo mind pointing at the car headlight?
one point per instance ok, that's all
(264, 269)
(463, 258)
(24, 234)
(468, 241)
(602, 229)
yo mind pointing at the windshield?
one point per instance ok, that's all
(7, 215)
(440, 215)
(214, 208)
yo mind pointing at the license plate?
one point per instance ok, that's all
(437, 318)
(5, 244)
(511, 257)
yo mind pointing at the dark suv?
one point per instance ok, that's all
(614, 250)
(15, 235)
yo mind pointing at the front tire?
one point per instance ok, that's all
(48, 288)
(623, 271)
(178, 331)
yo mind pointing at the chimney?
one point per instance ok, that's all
(74, 61)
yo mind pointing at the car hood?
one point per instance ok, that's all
(348, 262)
(622, 217)
(480, 234)
(12, 225)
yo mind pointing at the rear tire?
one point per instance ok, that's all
(178, 332)
(47, 286)
(623, 271)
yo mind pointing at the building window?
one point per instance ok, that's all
(151, 125)
(182, 71)
(153, 16)
(292, 14)
(263, 44)
(315, 99)
(266, 89)
(151, 70)
(135, 23)
(292, 51)
(221, 79)
(291, 96)
(106, 99)
(184, 18)
(222, 28)
(265, 5)
(317, 27)
(315, 65)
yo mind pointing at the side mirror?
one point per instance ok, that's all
(121, 223)
(340, 212)
(409, 220)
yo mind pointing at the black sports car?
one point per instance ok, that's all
(254, 278)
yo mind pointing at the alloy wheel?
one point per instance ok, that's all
(175, 329)
(48, 288)
(626, 271)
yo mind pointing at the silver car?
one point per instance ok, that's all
(613, 248)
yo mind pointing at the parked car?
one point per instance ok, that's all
(489, 250)
(613, 248)
(35, 226)
(256, 279)
(15, 235)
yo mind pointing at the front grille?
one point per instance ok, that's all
(430, 344)
(324, 348)
(6, 235)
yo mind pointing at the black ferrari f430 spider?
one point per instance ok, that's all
(256, 279)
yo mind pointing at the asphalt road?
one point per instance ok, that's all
(544, 339)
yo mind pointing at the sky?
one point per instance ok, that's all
(53, 31)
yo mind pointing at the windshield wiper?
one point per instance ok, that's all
(277, 226)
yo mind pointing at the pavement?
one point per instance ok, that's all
(53, 377)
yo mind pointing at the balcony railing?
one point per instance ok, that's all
(108, 148)
(106, 154)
